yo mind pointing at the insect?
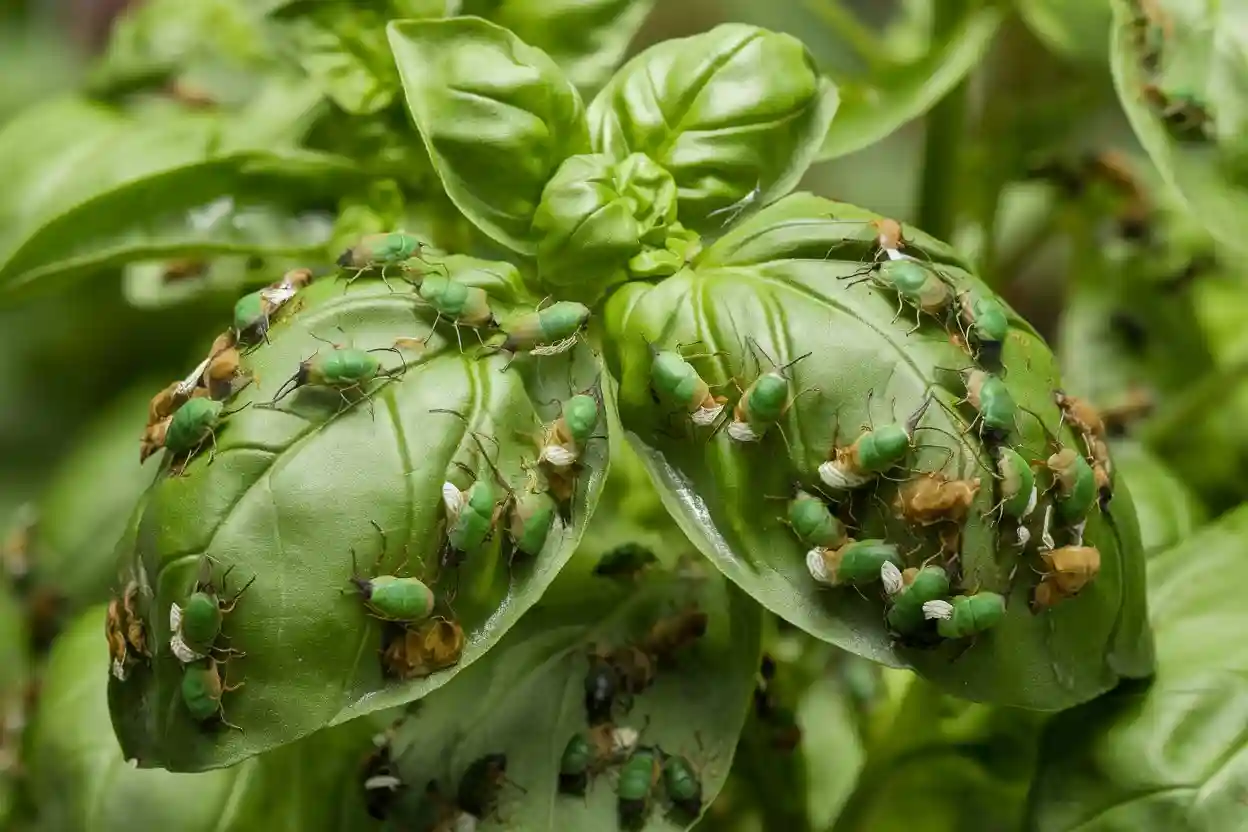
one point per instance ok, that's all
(463, 305)
(673, 633)
(252, 314)
(910, 590)
(547, 331)
(565, 437)
(195, 423)
(283, 290)
(875, 451)
(472, 514)
(672, 377)
(984, 318)
(682, 784)
(918, 285)
(634, 668)
(115, 633)
(392, 598)
(1018, 484)
(966, 615)
(381, 251)
(857, 563)
(1076, 485)
(933, 498)
(480, 784)
(436, 644)
(588, 753)
(344, 369)
(764, 402)
(379, 777)
(993, 403)
(203, 689)
(1088, 422)
(195, 627)
(889, 238)
(814, 523)
(153, 438)
(1183, 112)
(602, 683)
(638, 778)
(164, 403)
(532, 516)
(625, 561)
(223, 368)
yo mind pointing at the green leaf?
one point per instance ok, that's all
(1203, 57)
(1073, 28)
(873, 108)
(83, 512)
(1167, 508)
(600, 219)
(293, 490)
(1169, 754)
(80, 780)
(496, 115)
(774, 279)
(343, 48)
(529, 694)
(14, 676)
(729, 111)
(587, 38)
(89, 187)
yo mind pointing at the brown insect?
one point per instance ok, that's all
(933, 498)
(670, 634)
(436, 644)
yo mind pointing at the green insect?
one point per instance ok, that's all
(638, 777)
(674, 379)
(1018, 489)
(588, 753)
(764, 402)
(1076, 485)
(471, 514)
(344, 369)
(575, 764)
(857, 563)
(682, 784)
(564, 439)
(967, 615)
(992, 401)
(195, 626)
(392, 598)
(381, 251)
(463, 305)
(547, 331)
(910, 590)
(915, 283)
(251, 317)
(814, 523)
(875, 451)
(532, 516)
(195, 423)
(985, 318)
(625, 561)
(202, 690)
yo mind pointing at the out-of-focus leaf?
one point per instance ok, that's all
(14, 676)
(1199, 51)
(88, 187)
(587, 38)
(83, 512)
(778, 280)
(1168, 511)
(293, 490)
(80, 782)
(1170, 754)
(1075, 28)
(873, 108)
(736, 113)
(497, 116)
(529, 695)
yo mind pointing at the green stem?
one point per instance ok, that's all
(944, 135)
(846, 26)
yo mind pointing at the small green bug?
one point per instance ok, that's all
(463, 305)
(986, 319)
(389, 597)
(251, 317)
(764, 402)
(590, 752)
(672, 377)
(910, 590)
(1076, 485)
(993, 403)
(814, 523)
(195, 423)
(682, 784)
(857, 563)
(565, 438)
(532, 516)
(1018, 484)
(915, 283)
(547, 331)
(638, 777)
(625, 561)
(344, 369)
(202, 690)
(967, 615)
(381, 251)
(194, 628)
(875, 451)
(471, 514)
(574, 765)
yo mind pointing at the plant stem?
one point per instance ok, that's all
(943, 139)
(846, 26)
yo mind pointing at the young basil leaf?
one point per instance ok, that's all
(736, 113)
(284, 494)
(497, 116)
(80, 780)
(781, 286)
(1171, 753)
(587, 38)
(599, 218)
